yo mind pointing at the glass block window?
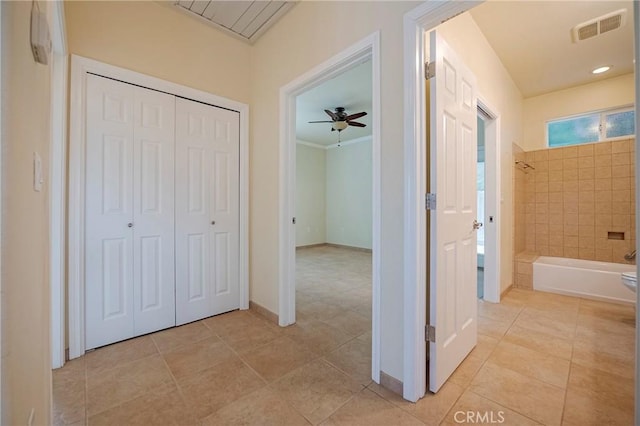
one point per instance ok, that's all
(591, 127)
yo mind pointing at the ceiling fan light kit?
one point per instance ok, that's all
(340, 120)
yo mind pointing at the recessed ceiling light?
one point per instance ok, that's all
(600, 70)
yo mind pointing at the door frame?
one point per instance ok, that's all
(80, 67)
(366, 49)
(492, 201)
(417, 22)
(58, 179)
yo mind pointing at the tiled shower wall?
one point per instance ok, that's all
(519, 202)
(576, 197)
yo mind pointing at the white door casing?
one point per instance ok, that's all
(452, 302)
(129, 211)
(109, 209)
(207, 210)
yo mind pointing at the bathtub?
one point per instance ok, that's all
(582, 278)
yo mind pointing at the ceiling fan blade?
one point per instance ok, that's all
(320, 121)
(356, 124)
(356, 116)
(331, 114)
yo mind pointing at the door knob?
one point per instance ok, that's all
(213, 222)
(477, 225)
(130, 225)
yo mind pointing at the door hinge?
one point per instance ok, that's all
(293, 220)
(429, 333)
(429, 70)
(430, 201)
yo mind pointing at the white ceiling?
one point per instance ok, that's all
(244, 19)
(533, 41)
(351, 90)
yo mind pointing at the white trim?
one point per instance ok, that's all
(2, 316)
(58, 183)
(335, 145)
(368, 48)
(492, 202)
(310, 144)
(426, 16)
(79, 68)
(350, 142)
(636, 24)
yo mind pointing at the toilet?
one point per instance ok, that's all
(630, 280)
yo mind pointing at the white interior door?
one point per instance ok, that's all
(207, 210)
(109, 211)
(153, 211)
(452, 286)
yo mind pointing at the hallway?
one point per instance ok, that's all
(540, 359)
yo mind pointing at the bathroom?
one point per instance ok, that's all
(574, 193)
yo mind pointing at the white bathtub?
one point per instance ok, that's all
(582, 278)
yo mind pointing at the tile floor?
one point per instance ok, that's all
(540, 359)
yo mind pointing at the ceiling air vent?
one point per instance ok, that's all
(600, 25)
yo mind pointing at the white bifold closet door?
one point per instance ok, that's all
(207, 210)
(129, 213)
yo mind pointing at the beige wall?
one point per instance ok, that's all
(349, 189)
(610, 93)
(300, 41)
(26, 371)
(150, 38)
(311, 183)
(498, 90)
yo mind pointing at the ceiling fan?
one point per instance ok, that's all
(341, 120)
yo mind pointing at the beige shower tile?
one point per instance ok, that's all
(541, 176)
(620, 146)
(586, 185)
(586, 231)
(571, 230)
(586, 219)
(556, 251)
(570, 218)
(586, 243)
(602, 196)
(585, 150)
(556, 165)
(556, 186)
(555, 154)
(623, 170)
(603, 219)
(542, 197)
(602, 184)
(621, 221)
(542, 186)
(602, 172)
(556, 229)
(587, 253)
(573, 196)
(602, 160)
(541, 155)
(586, 162)
(620, 158)
(603, 254)
(602, 148)
(587, 207)
(569, 174)
(621, 207)
(571, 252)
(571, 208)
(587, 197)
(555, 197)
(587, 173)
(556, 219)
(570, 152)
(603, 208)
(621, 195)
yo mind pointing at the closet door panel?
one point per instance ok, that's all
(225, 205)
(207, 210)
(153, 212)
(193, 223)
(108, 211)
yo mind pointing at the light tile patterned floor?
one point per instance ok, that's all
(540, 359)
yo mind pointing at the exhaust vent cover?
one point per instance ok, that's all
(600, 25)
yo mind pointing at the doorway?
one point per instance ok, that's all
(361, 52)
